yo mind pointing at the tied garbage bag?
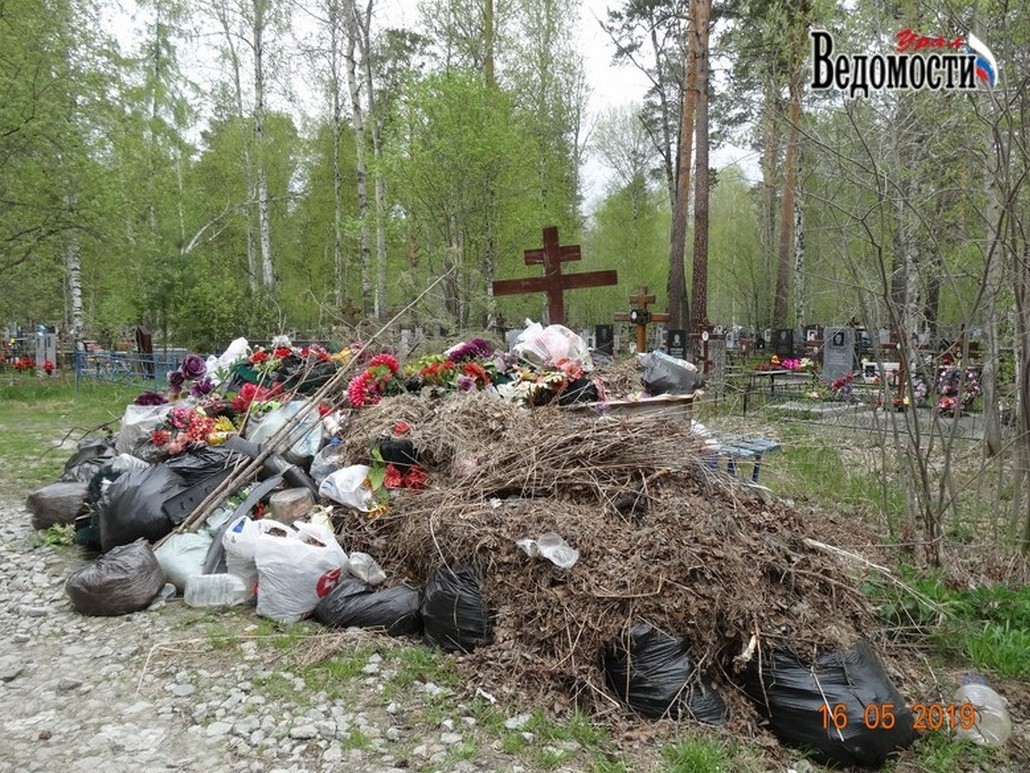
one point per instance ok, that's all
(240, 540)
(182, 555)
(296, 571)
(801, 703)
(134, 505)
(138, 421)
(665, 375)
(353, 603)
(653, 672)
(123, 580)
(57, 503)
(92, 454)
(454, 614)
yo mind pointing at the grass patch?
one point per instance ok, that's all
(37, 414)
(942, 753)
(420, 665)
(989, 625)
(695, 755)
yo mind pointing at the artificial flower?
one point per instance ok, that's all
(393, 478)
(203, 387)
(150, 398)
(193, 367)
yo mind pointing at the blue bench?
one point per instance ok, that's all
(751, 450)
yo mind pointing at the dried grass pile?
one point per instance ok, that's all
(662, 538)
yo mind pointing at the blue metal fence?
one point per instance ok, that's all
(146, 370)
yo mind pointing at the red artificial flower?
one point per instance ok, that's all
(160, 437)
(416, 479)
(401, 428)
(258, 357)
(476, 371)
(386, 359)
(393, 478)
(282, 352)
(324, 409)
(48, 367)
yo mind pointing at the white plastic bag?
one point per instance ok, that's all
(546, 346)
(240, 541)
(182, 555)
(347, 487)
(305, 436)
(235, 351)
(296, 571)
(138, 421)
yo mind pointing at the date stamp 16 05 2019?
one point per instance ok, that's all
(881, 716)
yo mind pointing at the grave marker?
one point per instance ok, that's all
(640, 317)
(604, 339)
(554, 282)
(783, 343)
(677, 346)
(838, 353)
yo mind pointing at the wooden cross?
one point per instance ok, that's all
(554, 282)
(640, 316)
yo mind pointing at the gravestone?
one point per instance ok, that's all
(46, 348)
(677, 346)
(604, 339)
(838, 353)
(783, 342)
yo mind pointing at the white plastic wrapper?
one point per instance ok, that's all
(347, 487)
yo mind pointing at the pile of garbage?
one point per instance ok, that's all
(493, 504)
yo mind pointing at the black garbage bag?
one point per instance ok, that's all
(91, 456)
(652, 671)
(199, 464)
(354, 603)
(454, 614)
(400, 452)
(662, 376)
(582, 390)
(57, 503)
(843, 706)
(123, 580)
(133, 506)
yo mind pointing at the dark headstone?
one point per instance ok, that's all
(677, 343)
(604, 336)
(783, 342)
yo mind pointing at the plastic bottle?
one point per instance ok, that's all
(328, 460)
(993, 725)
(216, 590)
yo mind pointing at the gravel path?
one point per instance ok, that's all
(152, 692)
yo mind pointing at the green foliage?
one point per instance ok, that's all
(695, 756)
(989, 625)
(57, 535)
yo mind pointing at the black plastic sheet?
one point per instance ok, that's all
(663, 377)
(654, 673)
(843, 706)
(454, 614)
(133, 506)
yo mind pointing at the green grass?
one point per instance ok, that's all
(942, 753)
(695, 756)
(989, 625)
(37, 414)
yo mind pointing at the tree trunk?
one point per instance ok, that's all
(787, 200)
(336, 126)
(358, 121)
(699, 278)
(73, 267)
(679, 308)
(248, 166)
(264, 225)
(771, 110)
(488, 44)
(800, 314)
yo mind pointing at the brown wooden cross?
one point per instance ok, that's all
(640, 316)
(554, 282)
